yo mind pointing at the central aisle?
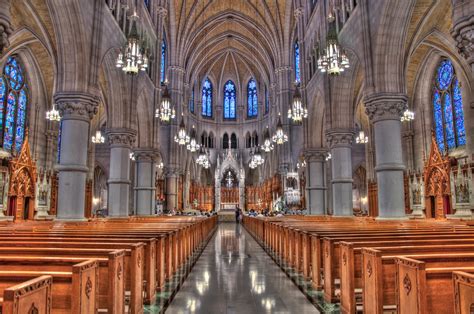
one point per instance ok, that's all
(235, 275)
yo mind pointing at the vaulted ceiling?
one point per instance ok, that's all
(256, 33)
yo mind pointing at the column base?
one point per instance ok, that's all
(70, 219)
(391, 218)
(417, 214)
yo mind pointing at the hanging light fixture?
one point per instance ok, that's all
(298, 111)
(53, 114)
(333, 59)
(193, 145)
(408, 115)
(328, 157)
(134, 55)
(301, 164)
(166, 112)
(362, 138)
(98, 138)
(280, 137)
(132, 156)
(267, 142)
(202, 157)
(182, 137)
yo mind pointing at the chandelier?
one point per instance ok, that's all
(132, 156)
(301, 164)
(333, 59)
(203, 159)
(280, 137)
(256, 159)
(165, 112)
(133, 56)
(53, 114)
(267, 142)
(182, 137)
(362, 138)
(328, 157)
(408, 115)
(98, 138)
(298, 112)
(193, 145)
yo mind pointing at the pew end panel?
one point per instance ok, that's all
(463, 292)
(371, 276)
(32, 296)
(410, 283)
(85, 278)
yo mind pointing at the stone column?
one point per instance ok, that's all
(340, 143)
(316, 181)
(172, 188)
(385, 110)
(76, 109)
(145, 181)
(120, 141)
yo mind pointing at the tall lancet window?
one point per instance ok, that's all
(191, 101)
(207, 99)
(229, 100)
(252, 99)
(297, 62)
(163, 61)
(267, 101)
(13, 104)
(447, 108)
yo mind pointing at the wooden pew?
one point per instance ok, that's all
(422, 288)
(463, 292)
(74, 291)
(32, 296)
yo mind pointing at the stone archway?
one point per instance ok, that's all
(21, 194)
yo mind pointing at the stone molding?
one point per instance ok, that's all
(381, 107)
(162, 11)
(315, 154)
(121, 137)
(463, 34)
(340, 138)
(146, 155)
(5, 24)
(172, 172)
(299, 12)
(76, 105)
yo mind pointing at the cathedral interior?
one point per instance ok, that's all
(161, 123)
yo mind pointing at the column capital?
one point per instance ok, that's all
(315, 154)
(172, 172)
(385, 106)
(463, 34)
(146, 155)
(340, 137)
(76, 105)
(162, 11)
(299, 12)
(121, 137)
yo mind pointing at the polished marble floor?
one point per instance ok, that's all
(235, 275)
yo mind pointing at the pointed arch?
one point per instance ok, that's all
(252, 99)
(230, 99)
(207, 98)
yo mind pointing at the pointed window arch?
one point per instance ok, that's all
(225, 141)
(229, 100)
(163, 60)
(252, 99)
(13, 104)
(207, 98)
(297, 62)
(447, 108)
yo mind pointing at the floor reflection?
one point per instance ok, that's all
(235, 275)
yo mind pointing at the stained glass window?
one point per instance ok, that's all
(147, 4)
(297, 63)
(13, 105)
(163, 61)
(207, 98)
(267, 101)
(229, 100)
(447, 108)
(191, 101)
(252, 99)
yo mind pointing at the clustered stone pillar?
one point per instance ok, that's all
(76, 109)
(385, 110)
(120, 141)
(340, 143)
(145, 181)
(316, 181)
(172, 189)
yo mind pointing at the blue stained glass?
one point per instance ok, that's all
(229, 100)
(20, 120)
(438, 120)
(252, 99)
(9, 122)
(191, 101)
(163, 61)
(297, 63)
(445, 74)
(459, 114)
(207, 98)
(14, 74)
(448, 121)
(3, 91)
